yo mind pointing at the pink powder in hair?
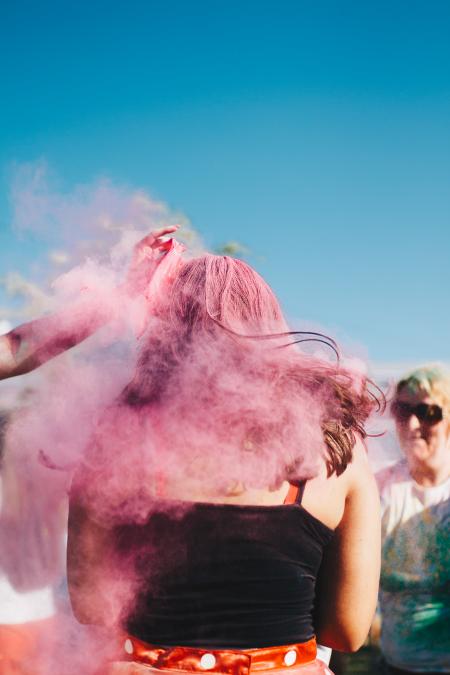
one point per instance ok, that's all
(191, 384)
(213, 402)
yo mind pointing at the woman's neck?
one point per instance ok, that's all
(429, 476)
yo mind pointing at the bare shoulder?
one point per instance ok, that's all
(361, 490)
(326, 497)
(392, 473)
(359, 473)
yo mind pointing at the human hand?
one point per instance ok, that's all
(147, 255)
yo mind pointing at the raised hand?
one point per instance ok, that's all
(30, 345)
(147, 255)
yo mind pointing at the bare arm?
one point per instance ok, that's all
(349, 576)
(89, 554)
(30, 345)
(7, 359)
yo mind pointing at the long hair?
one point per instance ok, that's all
(220, 316)
(210, 296)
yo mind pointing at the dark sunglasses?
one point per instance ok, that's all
(430, 413)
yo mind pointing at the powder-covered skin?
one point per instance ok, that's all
(147, 402)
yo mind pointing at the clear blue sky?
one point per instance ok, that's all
(315, 132)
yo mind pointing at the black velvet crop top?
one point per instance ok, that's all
(222, 575)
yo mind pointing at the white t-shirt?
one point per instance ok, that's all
(415, 574)
(17, 607)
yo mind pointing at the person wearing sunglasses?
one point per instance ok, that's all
(415, 493)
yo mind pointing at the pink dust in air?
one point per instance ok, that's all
(187, 388)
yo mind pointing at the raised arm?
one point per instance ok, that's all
(349, 576)
(8, 362)
(30, 345)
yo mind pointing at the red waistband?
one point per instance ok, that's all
(226, 661)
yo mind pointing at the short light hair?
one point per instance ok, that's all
(432, 379)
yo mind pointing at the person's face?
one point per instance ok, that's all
(424, 441)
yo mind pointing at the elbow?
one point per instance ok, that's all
(342, 640)
(86, 607)
(350, 644)
(81, 613)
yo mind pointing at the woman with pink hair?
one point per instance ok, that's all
(224, 516)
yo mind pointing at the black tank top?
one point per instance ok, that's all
(225, 575)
